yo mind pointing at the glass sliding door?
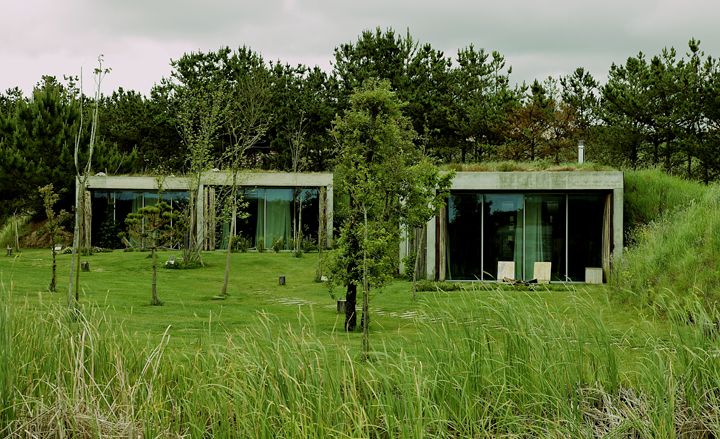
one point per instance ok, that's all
(306, 213)
(103, 230)
(502, 233)
(463, 240)
(251, 227)
(567, 230)
(545, 234)
(585, 233)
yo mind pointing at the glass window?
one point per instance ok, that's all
(545, 234)
(306, 214)
(463, 241)
(104, 231)
(255, 210)
(585, 233)
(503, 234)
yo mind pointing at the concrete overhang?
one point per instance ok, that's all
(265, 179)
(538, 180)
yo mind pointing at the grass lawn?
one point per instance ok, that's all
(273, 361)
(119, 285)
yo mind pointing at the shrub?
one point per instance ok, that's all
(260, 246)
(277, 245)
(240, 243)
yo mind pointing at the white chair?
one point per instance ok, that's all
(506, 271)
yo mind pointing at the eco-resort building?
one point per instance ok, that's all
(277, 206)
(554, 226)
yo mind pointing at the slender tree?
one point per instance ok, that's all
(151, 224)
(375, 169)
(53, 226)
(247, 122)
(82, 173)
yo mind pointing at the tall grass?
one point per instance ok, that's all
(674, 259)
(7, 230)
(651, 193)
(497, 370)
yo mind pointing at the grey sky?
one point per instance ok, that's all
(139, 37)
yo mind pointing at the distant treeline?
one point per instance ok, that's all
(661, 111)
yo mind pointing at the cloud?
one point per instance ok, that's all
(139, 38)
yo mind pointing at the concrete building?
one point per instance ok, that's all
(554, 225)
(498, 225)
(276, 205)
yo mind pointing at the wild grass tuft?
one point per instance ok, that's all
(651, 193)
(674, 258)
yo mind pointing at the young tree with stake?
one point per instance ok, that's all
(377, 169)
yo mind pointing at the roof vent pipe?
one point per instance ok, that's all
(581, 152)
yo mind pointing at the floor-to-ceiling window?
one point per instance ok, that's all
(111, 208)
(502, 232)
(463, 249)
(274, 214)
(585, 233)
(484, 229)
(544, 234)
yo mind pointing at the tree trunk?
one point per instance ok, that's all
(365, 322)
(155, 300)
(17, 235)
(53, 282)
(350, 303)
(416, 265)
(74, 260)
(366, 294)
(228, 254)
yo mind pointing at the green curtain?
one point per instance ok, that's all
(278, 216)
(260, 223)
(519, 241)
(535, 245)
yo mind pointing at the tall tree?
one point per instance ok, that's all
(482, 100)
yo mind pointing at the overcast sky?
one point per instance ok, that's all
(139, 37)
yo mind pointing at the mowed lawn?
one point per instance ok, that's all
(118, 285)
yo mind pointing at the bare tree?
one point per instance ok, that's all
(82, 173)
(297, 144)
(247, 122)
(200, 118)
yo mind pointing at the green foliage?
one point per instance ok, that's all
(240, 243)
(651, 194)
(278, 244)
(260, 244)
(672, 259)
(150, 225)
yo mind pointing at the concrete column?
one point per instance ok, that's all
(430, 250)
(617, 224)
(403, 249)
